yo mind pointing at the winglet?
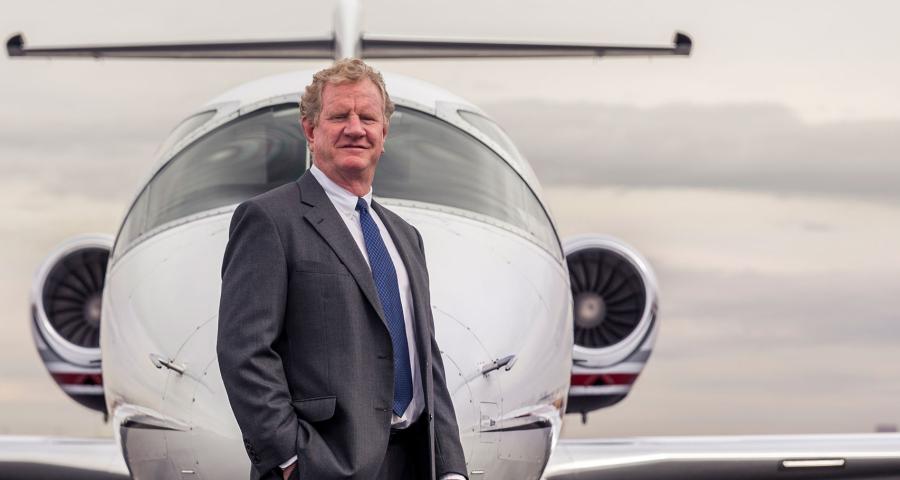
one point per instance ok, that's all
(15, 45)
(683, 44)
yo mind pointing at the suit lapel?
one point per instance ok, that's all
(328, 223)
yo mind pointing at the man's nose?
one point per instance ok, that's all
(354, 127)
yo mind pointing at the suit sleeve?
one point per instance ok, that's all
(251, 316)
(448, 454)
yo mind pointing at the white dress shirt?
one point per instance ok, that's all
(344, 202)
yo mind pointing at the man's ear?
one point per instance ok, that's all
(308, 130)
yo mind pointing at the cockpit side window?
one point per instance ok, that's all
(184, 128)
(429, 160)
(241, 159)
(492, 130)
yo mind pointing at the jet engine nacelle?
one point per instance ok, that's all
(65, 311)
(614, 295)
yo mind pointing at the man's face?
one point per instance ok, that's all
(350, 133)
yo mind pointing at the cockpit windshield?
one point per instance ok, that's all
(492, 130)
(427, 161)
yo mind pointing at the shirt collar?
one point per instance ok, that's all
(343, 199)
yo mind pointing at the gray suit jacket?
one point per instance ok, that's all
(303, 347)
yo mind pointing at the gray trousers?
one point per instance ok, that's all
(406, 455)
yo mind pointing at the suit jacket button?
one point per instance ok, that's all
(430, 417)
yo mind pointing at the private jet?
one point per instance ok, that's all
(126, 324)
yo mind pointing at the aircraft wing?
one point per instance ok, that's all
(857, 456)
(48, 458)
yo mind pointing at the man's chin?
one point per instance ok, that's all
(354, 163)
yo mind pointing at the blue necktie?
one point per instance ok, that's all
(389, 293)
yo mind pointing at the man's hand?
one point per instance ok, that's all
(286, 473)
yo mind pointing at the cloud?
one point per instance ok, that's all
(728, 312)
(754, 146)
(734, 231)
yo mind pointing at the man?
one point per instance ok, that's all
(326, 340)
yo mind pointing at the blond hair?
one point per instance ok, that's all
(348, 70)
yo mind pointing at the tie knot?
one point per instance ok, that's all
(361, 205)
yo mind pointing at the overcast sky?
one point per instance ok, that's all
(759, 177)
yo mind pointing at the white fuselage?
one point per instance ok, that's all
(495, 291)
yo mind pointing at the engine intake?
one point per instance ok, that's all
(614, 294)
(609, 297)
(65, 306)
